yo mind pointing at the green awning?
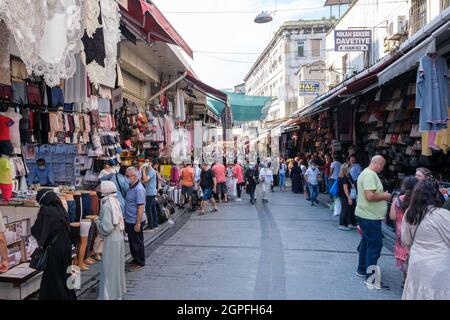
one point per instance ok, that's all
(244, 107)
(215, 106)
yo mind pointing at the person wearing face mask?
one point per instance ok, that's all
(312, 180)
(134, 218)
(42, 174)
(110, 225)
(266, 178)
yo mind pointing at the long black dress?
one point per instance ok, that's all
(251, 178)
(296, 177)
(52, 226)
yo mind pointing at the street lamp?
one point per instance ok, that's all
(263, 17)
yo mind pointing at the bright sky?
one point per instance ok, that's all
(232, 33)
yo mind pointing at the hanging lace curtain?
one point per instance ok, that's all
(48, 35)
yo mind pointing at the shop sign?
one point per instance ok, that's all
(307, 88)
(352, 40)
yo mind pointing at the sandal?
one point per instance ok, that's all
(214, 210)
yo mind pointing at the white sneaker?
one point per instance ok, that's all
(238, 199)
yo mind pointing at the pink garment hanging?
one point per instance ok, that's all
(432, 140)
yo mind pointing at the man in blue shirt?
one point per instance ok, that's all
(134, 218)
(149, 179)
(42, 174)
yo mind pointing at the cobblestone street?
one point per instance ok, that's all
(283, 250)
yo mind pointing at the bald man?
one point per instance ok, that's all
(371, 209)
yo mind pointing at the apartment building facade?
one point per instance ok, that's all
(275, 73)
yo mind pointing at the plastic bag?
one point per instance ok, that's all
(232, 187)
(334, 188)
(337, 207)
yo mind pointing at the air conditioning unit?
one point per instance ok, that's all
(397, 28)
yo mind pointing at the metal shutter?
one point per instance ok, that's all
(133, 88)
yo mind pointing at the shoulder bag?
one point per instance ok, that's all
(39, 256)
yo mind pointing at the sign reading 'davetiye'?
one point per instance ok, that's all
(352, 40)
(307, 88)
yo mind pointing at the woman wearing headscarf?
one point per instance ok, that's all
(52, 229)
(110, 225)
(296, 177)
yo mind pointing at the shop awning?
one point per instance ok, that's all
(243, 107)
(204, 88)
(146, 19)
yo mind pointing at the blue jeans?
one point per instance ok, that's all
(152, 213)
(252, 196)
(282, 180)
(313, 192)
(370, 245)
(327, 183)
(330, 184)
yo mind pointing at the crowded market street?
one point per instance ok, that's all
(284, 249)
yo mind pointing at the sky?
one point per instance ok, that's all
(233, 33)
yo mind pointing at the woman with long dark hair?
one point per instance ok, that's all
(52, 229)
(426, 230)
(397, 212)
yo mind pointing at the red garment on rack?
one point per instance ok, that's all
(5, 123)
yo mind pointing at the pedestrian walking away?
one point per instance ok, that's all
(208, 183)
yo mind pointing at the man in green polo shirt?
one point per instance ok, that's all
(371, 209)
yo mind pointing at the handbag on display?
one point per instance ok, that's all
(397, 94)
(406, 127)
(414, 162)
(394, 138)
(415, 131)
(415, 118)
(391, 117)
(417, 146)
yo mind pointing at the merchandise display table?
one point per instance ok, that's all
(19, 282)
(16, 213)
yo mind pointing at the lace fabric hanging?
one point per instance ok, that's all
(47, 34)
(104, 72)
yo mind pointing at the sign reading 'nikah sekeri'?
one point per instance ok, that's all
(352, 40)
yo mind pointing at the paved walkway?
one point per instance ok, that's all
(283, 250)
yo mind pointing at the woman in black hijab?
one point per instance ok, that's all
(52, 225)
(296, 177)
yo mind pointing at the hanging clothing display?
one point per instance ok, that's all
(101, 46)
(180, 111)
(14, 130)
(5, 73)
(75, 88)
(47, 34)
(432, 93)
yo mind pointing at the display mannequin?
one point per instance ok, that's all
(85, 225)
(6, 184)
(5, 136)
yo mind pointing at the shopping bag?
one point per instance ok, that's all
(232, 187)
(337, 207)
(334, 188)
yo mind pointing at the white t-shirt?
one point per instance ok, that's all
(313, 176)
(336, 165)
(266, 174)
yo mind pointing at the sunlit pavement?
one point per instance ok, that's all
(285, 249)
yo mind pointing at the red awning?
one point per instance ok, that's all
(146, 19)
(203, 87)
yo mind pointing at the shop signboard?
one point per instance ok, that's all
(352, 40)
(309, 88)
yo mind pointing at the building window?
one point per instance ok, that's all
(315, 48)
(300, 48)
(417, 15)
